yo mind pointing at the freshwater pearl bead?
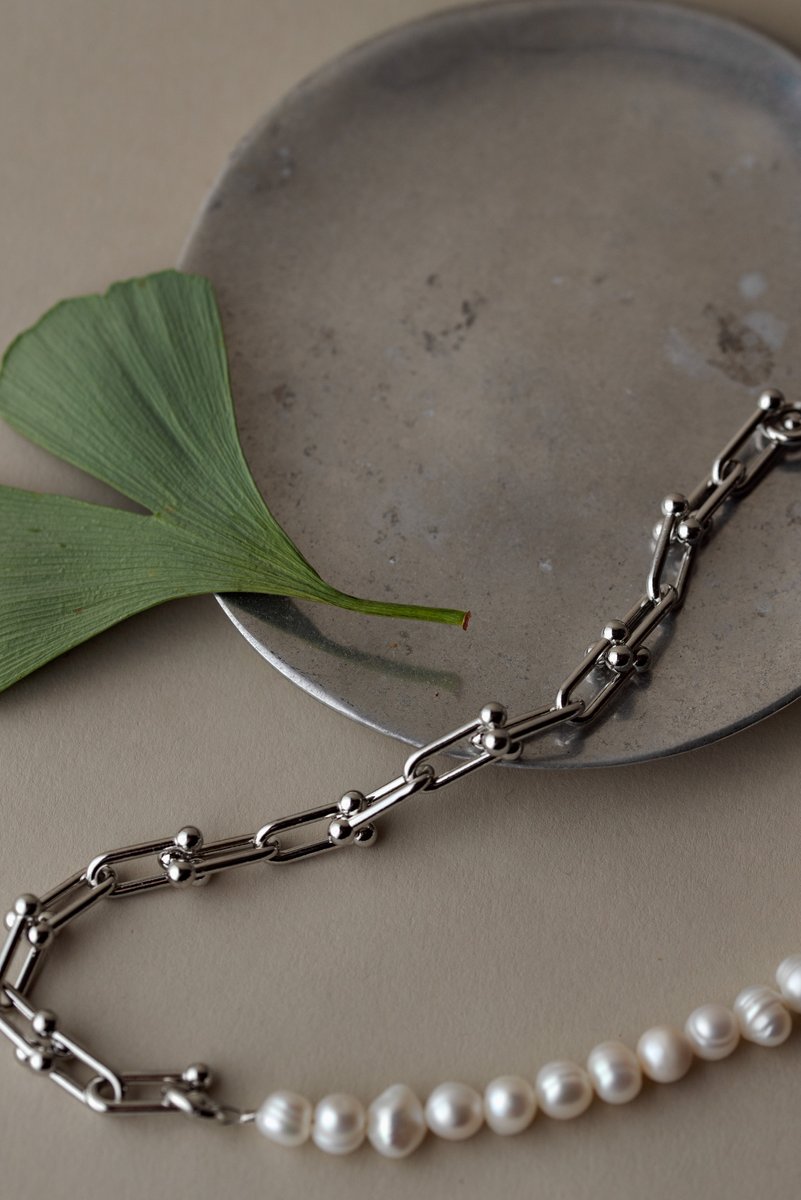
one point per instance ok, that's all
(285, 1117)
(339, 1124)
(665, 1054)
(762, 1016)
(563, 1090)
(509, 1104)
(713, 1031)
(396, 1124)
(788, 977)
(615, 1072)
(454, 1111)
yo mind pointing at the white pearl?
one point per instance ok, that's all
(713, 1031)
(509, 1104)
(615, 1072)
(563, 1090)
(665, 1054)
(285, 1117)
(762, 1016)
(788, 977)
(454, 1111)
(396, 1124)
(339, 1124)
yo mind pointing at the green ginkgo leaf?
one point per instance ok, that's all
(133, 388)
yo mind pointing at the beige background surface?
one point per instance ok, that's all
(525, 917)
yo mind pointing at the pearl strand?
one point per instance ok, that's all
(396, 1122)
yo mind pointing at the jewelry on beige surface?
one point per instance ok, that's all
(397, 1121)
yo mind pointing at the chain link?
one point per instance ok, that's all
(185, 859)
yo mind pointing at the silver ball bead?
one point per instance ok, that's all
(27, 905)
(690, 530)
(352, 802)
(642, 660)
(198, 1075)
(181, 873)
(44, 1022)
(493, 713)
(40, 933)
(340, 831)
(40, 1061)
(771, 400)
(620, 657)
(496, 742)
(615, 631)
(675, 504)
(366, 835)
(189, 839)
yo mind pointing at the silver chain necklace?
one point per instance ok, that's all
(396, 1122)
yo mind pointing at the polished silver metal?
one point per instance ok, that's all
(417, 766)
(493, 736)
(741, 439)
(84, 898)
(225, 857)
(96, 1097)
(41, 1044)
(718, 492)
(266, 838)
(674, 507)
(32, 965)
(783, 429)
(385, 797)
(546, 717)
(17, 928)
(148, 1093)
(127, 854)
(132, 1082)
